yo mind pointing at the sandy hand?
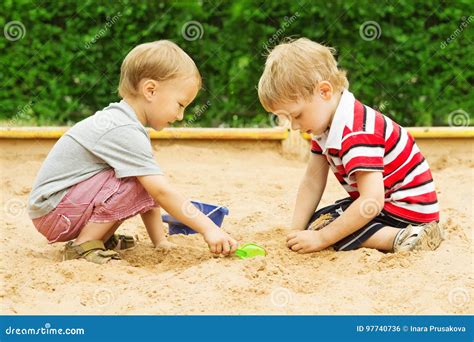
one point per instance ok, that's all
(220, 242)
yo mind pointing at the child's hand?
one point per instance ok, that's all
(175, 204)
(306, 241)
(220, 242)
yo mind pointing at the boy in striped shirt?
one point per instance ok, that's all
(392, 203)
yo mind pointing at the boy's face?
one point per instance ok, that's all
(312, 116)
(167, 100)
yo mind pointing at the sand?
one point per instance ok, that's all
(257, 181)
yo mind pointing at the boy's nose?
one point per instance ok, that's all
(294, 125)
(180, 116)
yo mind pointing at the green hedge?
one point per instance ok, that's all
(65, 64)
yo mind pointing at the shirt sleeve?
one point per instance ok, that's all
(362, 151)
(128, 151)
(315, 147)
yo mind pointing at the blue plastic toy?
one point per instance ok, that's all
(214, 212)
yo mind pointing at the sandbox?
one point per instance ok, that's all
(257, 180)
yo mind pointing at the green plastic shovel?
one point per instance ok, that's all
(250, 250)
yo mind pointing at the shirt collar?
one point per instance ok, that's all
(344, 116)
(127, 109)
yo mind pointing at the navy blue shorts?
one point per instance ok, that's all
(354, 240)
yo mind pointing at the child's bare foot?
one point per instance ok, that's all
(306, 241)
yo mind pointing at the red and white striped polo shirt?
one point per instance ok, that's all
(361, 138)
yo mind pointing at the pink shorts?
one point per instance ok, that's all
(101, 198)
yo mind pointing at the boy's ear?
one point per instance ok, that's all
(324, 89)
(149, 88)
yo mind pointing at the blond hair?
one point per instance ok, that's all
(160, 60)
(294, 68)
